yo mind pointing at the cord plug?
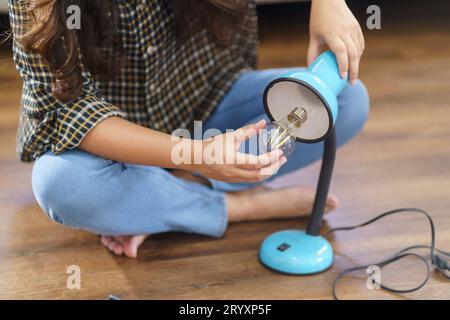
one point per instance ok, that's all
(441, 263)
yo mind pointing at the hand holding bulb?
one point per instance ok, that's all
(235, 165)
(279, 134)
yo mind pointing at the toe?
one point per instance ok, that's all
(121, 239)
(112, 245)
(132, 245)
(118, 249)
(332, 203)
(105, 240)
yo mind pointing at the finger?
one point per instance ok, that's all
(340, 50)
(357, 43)
(244, 175)
(273, 168)
(270, 157)
(252, 162)
(256, 126)
(246, 161)
(361, 39)
(353, 58)
(245, 133)
(313, 50)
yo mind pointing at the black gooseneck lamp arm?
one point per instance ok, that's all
(326, 172)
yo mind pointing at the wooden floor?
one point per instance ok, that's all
(402, 159)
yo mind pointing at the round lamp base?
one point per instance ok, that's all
(296, 252)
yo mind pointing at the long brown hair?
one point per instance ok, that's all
(98, 43)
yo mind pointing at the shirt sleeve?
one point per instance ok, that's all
(57, 125)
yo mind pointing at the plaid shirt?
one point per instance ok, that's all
(163, 86)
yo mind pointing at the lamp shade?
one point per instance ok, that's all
(313, 89)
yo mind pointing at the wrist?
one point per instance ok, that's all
(192, 155)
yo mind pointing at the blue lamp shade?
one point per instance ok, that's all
(314, 89)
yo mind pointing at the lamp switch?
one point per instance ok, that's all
(283, 247)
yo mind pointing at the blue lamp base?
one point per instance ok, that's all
(296, 252)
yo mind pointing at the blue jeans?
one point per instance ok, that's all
(83, 191)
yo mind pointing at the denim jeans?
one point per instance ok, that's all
(83, 191)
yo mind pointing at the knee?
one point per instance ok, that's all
(361, 102)
(59, 182)
(353, 111)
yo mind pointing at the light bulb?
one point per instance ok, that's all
(279, 134)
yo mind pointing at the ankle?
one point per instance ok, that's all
(238, 206)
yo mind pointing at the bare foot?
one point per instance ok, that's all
(127, 245)
(264, 204)
(259, 203)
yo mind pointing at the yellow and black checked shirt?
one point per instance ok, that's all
(163, 86)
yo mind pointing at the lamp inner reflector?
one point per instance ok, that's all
(284, 96)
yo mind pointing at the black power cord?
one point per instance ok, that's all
(437, 257)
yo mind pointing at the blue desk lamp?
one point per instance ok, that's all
(303, 107)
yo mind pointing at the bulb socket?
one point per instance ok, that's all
(297, 117)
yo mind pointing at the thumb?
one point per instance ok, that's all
(313, 50)
(249, 131)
